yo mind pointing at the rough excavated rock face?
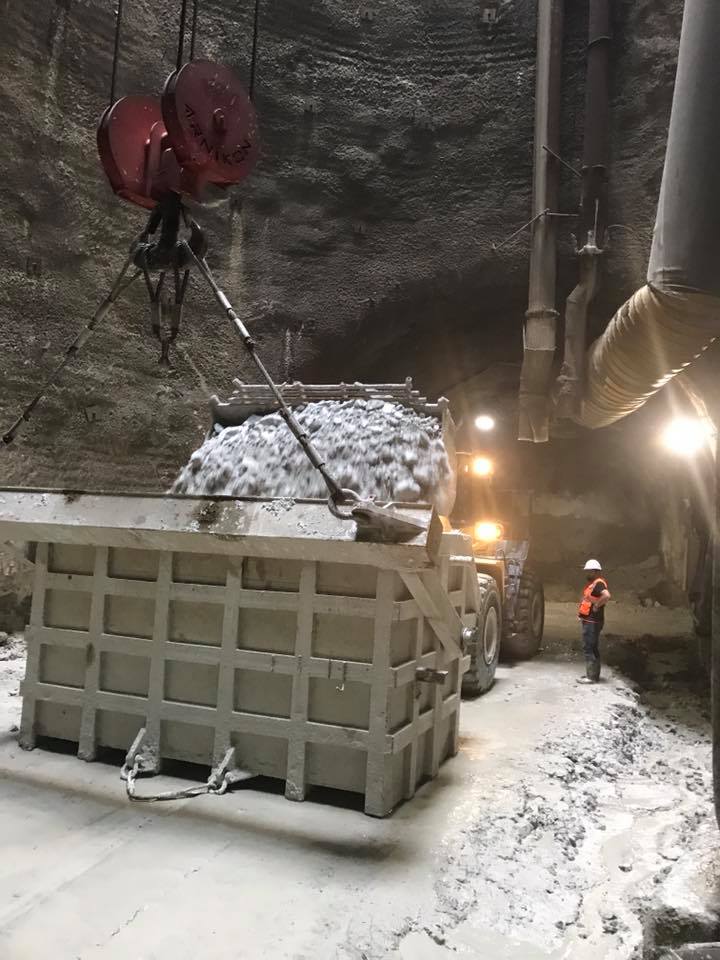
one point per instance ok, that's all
(397, 148)
(380, 450)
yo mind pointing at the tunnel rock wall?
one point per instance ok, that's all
(397, 142)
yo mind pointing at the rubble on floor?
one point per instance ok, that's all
(592, 851)
(12, 646)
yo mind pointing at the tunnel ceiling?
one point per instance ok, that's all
(397, 141)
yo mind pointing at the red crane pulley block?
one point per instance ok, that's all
(203, 130)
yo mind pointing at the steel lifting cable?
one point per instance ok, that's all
(225, 775)
(193, 35)
(121, 284)
(254, 56)
(181, 40)
(116, 51)
(183, 31)
(181, 37)
(193, 39)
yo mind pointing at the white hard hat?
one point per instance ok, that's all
(593, 565)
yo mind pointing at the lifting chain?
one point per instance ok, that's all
(137, 764)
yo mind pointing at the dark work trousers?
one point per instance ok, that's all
(591, 648)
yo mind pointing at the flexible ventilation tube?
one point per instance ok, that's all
(651, 338)
(671, 321)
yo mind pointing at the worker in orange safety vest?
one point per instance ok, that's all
(591, 614)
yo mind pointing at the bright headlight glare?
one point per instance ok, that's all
(485, 423)
(686, 436)
(482, 466)
(488, 530)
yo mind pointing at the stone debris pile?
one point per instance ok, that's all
(383, 451)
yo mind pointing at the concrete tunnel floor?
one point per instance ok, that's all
(575, 822)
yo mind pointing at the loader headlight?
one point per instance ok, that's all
(487, 531)
(686, 436)
(483, 466)
(485, 423)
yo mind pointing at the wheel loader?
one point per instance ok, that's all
(498, 521)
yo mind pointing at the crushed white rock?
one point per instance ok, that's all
(381, 450)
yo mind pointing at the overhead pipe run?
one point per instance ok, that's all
(593, 211)
(542, 315)
(593, 208)
(671, 321)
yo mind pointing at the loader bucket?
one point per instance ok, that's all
(374, 522)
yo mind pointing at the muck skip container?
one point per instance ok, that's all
(258, 625)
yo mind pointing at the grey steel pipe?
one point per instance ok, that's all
(593, 209)
(593, 212)
(671, 321)
(542, 315)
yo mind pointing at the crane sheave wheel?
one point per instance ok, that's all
(211, 122)
(123, 134)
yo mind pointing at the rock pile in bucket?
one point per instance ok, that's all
(383, 451)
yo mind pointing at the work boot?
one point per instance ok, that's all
(592, 673)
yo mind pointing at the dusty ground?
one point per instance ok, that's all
(574, 823)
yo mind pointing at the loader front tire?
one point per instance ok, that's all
(522, 636)
(484, 647)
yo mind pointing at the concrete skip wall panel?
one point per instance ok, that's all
(305, 666)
